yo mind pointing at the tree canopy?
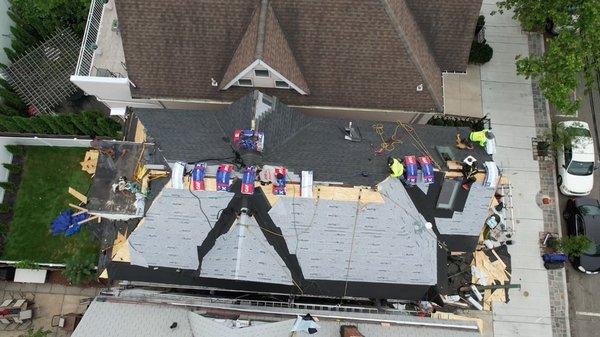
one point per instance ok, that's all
(573, 52)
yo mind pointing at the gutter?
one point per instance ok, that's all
(41, 264)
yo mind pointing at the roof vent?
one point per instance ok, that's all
(420, 87)
(351, 133)
(214, 82)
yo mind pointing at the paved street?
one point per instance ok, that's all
(584, 290)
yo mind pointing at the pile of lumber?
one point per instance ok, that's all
(486, 273)
(90, 161)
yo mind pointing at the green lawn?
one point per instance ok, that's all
(42, 196)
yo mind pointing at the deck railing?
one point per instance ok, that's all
(90, 37)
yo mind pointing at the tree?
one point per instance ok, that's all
(46, 17)
(36, 333)
(80, 269)
(574, 51)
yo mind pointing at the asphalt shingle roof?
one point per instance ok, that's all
(358, 54)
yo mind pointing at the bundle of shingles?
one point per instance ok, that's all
(487, 273)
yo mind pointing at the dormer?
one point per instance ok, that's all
(264, 59)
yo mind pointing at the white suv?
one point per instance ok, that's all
(576, 160)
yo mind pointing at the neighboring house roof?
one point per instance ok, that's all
(264, 41)
(125, 319)
(355, 54)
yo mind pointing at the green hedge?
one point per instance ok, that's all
(473, 123)
(481, 52)
(88, 123)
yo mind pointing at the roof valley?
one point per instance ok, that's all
(418, 58)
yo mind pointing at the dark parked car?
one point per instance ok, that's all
(583, 219)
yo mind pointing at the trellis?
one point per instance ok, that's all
(42, 77)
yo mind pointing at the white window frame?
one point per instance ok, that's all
(245, 85)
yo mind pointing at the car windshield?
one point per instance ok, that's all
(581, 168)
(590, 210)
(593, 250)
(575, 131)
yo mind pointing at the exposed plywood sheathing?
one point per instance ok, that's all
(120, 250)
(140, 133)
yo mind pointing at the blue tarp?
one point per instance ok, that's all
(67, 223)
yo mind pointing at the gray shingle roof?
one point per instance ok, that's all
(244, 254)
(338, 240)
(174, 227)
(470, 220)
(118, 319)
(190, 135)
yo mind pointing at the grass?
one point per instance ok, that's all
(47, 174)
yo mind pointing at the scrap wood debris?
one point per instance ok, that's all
(90, 161)
(487, 273)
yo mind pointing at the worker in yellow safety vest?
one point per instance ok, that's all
(396, 168)
(481, 137)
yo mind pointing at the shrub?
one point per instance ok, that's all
(80, 269)
(5, 208)
(481, 52)
(36, 333)
(573, 246)
(12, 168)
(7, 186)
(16, 150)
(27, 264)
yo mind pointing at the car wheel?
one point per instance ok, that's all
(566, 215)
(559, 180)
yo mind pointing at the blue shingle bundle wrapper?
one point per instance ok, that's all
(67, 223)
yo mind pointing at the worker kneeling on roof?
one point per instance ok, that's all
(486, 139)
(396, 168)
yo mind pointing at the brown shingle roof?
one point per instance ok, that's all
(278, 54)
(264, 40)
(349, 52)
(245, 53)
(457, 20)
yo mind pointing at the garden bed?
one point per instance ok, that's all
(41, 196)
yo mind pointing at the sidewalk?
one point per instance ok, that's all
(509, 101)
(50, 300)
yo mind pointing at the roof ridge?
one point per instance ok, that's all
(412, 52)
(262, 23)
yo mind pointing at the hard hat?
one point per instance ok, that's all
(489, 135)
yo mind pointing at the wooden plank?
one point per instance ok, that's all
(78, 195)
(498, 257)
(93, 217)
(338, 193)
(78, 207)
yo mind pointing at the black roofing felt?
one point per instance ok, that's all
(260, 208)
(298, 141)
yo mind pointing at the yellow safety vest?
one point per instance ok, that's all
(479, 137)
(397, 169)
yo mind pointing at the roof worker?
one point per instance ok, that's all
(486, 139)
(469, 171)
(396, 168)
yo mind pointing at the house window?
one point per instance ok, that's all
(242, 82)
(281, 84)
(261, 73)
